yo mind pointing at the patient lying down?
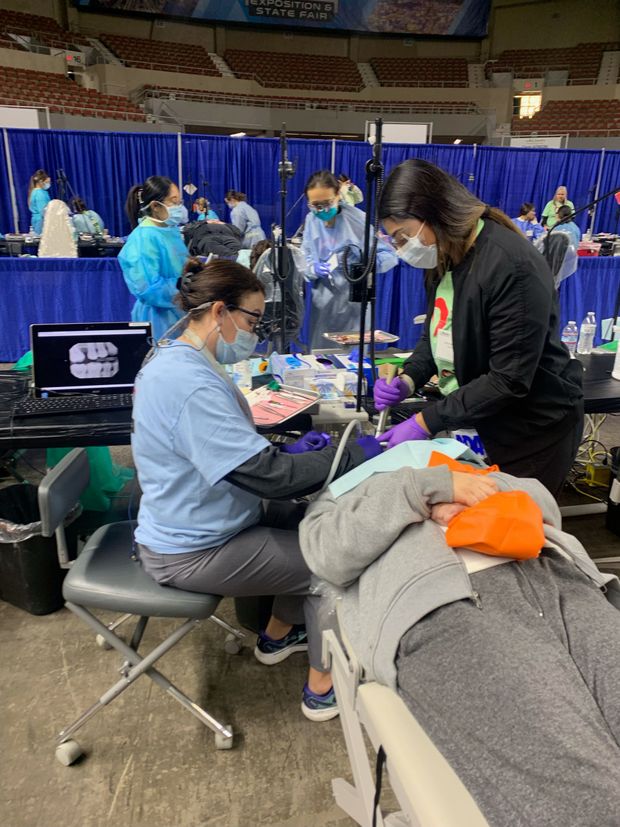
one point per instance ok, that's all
(511, 666)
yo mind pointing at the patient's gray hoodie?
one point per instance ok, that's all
(391, 564)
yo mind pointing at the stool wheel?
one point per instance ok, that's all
(68, 752)
(221, 741)
(102, 643)
(232, 645)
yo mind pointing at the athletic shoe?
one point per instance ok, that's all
(270, 652)
(319, 707)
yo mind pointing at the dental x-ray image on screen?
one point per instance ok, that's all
(93, 360)
(101, 357)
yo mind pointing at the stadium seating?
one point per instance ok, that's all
(296, 71)
(579, 118)
(163, 55)
(23, 87)
(39, 30)
(290, 102)
(407, 71)
(582, 62)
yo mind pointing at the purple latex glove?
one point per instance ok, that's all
(312, 441)
(370, 446)
(409, 429)
(387, 395)
(322, 269)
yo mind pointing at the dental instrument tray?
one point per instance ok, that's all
(347, 339)
(273, 404)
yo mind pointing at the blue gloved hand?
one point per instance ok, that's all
(370, 446)
(387, 395)
(322, 269)
(312, 441)
(404, 431)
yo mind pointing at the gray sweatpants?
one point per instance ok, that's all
(522, 695)
(263, 560)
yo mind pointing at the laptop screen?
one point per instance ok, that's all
(98, 357)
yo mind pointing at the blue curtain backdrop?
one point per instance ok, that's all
(250, 165)
(100, 166)
(505, 177)
(608, 211)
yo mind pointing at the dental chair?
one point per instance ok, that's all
(427, 788)
(108, 576)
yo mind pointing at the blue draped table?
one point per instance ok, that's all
(44, 291)
(92, 290)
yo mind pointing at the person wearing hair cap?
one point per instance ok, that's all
(205, 473)
(153, 256)
(491, 333)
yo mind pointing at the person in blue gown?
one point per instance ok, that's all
(203, 211)
(332, 226)
(245, 218)
(38, 199)
(154, 254)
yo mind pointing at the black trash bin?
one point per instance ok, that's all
(30, 575)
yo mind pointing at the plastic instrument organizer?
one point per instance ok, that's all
(274, 403)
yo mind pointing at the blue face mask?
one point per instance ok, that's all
(177, 214)
(326, 215)
(47, 185)
(243, 346)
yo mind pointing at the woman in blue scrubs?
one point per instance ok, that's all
(154, 254)
(38, 199)
(205, 473)
(245, 218)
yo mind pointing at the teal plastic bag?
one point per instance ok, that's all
(106, 477)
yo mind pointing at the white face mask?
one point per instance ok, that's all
(417, 254)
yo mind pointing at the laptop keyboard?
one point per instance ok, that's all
(72, 404)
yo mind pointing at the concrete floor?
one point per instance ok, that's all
(148, 761)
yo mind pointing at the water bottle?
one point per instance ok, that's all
(586, 333)
(570, 335)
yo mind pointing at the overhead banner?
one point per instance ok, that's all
(439, 18)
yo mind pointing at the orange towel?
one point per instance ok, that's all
(438, 458)
(507, 524)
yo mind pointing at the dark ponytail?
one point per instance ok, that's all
(36, 178)
(139, 197)
(238, 196)
(219, 280)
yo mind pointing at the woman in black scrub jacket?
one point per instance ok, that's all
(491, 331)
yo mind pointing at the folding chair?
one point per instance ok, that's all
(427, 788)
(107, 576)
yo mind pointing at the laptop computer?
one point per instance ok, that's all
(89, 366)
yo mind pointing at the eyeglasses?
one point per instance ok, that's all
(321, 206)
(395, 241)
(258, 317)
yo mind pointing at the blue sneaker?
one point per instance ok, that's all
(270, 652)
(319, 707)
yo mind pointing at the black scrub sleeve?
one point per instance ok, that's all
(274, 475)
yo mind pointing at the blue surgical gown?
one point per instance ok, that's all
(88, 222)
(39, 199)
(246, 219)
(331, 309)
(211, 215)
(530, 229)
(152, 260)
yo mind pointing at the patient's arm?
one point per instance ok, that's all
(342, 537)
